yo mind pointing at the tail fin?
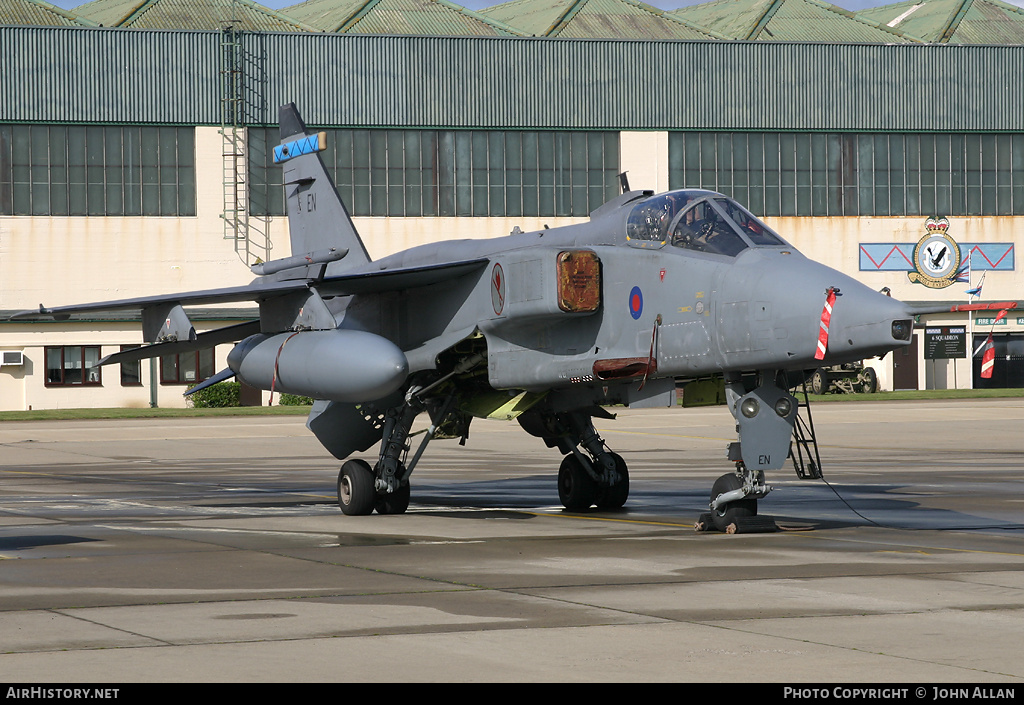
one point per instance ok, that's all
(317, 219)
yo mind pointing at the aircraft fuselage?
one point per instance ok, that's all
(668, 309)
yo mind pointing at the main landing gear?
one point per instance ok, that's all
(384, 488)
(590, 473)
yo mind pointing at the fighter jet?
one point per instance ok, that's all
(549, 327)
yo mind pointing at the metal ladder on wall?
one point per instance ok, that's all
(249, 233)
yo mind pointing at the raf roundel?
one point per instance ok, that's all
(636, 303)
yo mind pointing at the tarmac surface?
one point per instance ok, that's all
(213, 550)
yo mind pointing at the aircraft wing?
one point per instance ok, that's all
(343, 285)
(187, 298)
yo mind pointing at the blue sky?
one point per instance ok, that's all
(852, 5)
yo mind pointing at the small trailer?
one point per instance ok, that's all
(851, 378)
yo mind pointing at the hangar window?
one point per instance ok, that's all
(72, 366)
(452, 172)
(97, 170)
(845, 174)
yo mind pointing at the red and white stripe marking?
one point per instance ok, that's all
(826, 319)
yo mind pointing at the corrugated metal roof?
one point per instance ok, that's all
(954, 21)
(533, 17)
(790, 21)
(38, 13)
(988, 22)
(190, 14)
(422, 17)
(735, 19)
(109, 12)
(595, 19)
(325, 15)
(83, 75)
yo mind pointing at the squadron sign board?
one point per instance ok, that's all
(944, 343)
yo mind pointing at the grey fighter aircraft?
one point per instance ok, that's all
(546, 327)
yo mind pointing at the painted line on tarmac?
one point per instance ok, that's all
(666, 435)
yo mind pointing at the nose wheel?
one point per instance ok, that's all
(729, 513)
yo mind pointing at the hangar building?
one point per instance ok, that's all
(134, 141)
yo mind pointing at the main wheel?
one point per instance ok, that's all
(615, 496)
(819, 381)
(356, 494)
(728, 513)
(576, 488)
(868, 381)
(393, 502)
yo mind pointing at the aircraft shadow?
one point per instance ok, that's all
(19, 543)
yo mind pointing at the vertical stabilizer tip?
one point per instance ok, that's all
(291, 122)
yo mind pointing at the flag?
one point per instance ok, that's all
(976, 291)
(988, 358)
(963, 274)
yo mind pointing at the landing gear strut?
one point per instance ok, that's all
(385, 487)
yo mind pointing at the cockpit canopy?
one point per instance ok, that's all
(703, 221)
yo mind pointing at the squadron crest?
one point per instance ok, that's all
(936, 256)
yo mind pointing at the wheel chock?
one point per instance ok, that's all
(742, 525)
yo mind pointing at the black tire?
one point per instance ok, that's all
(576, 488)
(615, 496)
(394, 502)
(356, 494)
(819, 381)
(728, 513)
(868, 381)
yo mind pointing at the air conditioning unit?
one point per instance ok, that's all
(12, 358)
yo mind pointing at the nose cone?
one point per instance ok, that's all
(864, 323)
